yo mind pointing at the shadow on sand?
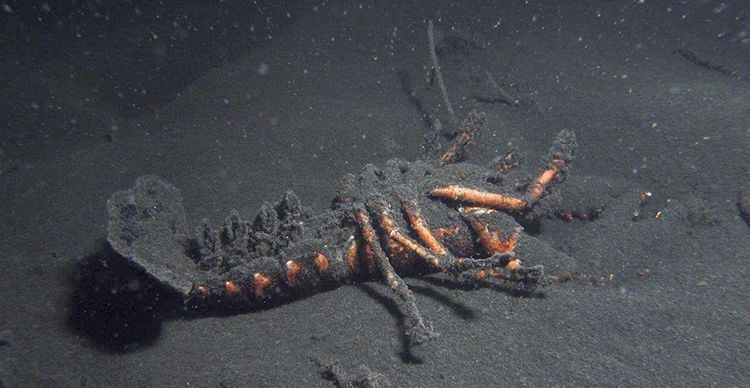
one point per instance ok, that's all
(121, 309)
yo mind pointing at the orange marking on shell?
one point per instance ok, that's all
(514, 264)
(321, 262)
(293, 270)
(419, 226)
(501, 245)
(386, 221)
(446, 231)
(478, 198)
(261, 283)
(367, 233)
(393, 248)
(351, 255)
(493, 242)
(202, 290)
(450, 155)
(537, 188)
(232, 289)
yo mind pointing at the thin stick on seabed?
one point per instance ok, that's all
(439, 75)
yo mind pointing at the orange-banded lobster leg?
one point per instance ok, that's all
(539, 185)
(478, 198)
(469, 127)
(495, 243)
(492, 242)
(443, 263)
(486, 199)
(560, 156)
(419, 226)
(417, 331)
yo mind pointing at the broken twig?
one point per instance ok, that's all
(438, 74)
(697, 60)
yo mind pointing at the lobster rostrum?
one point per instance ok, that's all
(406, 219)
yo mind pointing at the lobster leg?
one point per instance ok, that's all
(492, 242)
(419, 226)
(495, 243)
(442, 263)
(539, 185)
(560, 156)
(500, 249)
(479, 198)
(417, 331)
(469, 127)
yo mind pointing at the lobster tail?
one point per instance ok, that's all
(148, 227)
(239, 241)
(241, 263)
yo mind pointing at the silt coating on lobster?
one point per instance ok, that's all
(404, 219)
(284, 243)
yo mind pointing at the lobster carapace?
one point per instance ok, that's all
(405, 219)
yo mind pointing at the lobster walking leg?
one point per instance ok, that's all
(500, 251)
(539, 185)
(560, 156)
(479, 198)
(442, 263)
(419, 226)
(417, 331)
(469, 127)
(492, 242)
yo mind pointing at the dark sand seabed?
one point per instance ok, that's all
(235, 105)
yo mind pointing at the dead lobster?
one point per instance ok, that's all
(406, 219)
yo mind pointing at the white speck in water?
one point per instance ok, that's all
(263, 69)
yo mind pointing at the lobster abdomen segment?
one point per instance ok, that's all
(282, 252)
(267, 279)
